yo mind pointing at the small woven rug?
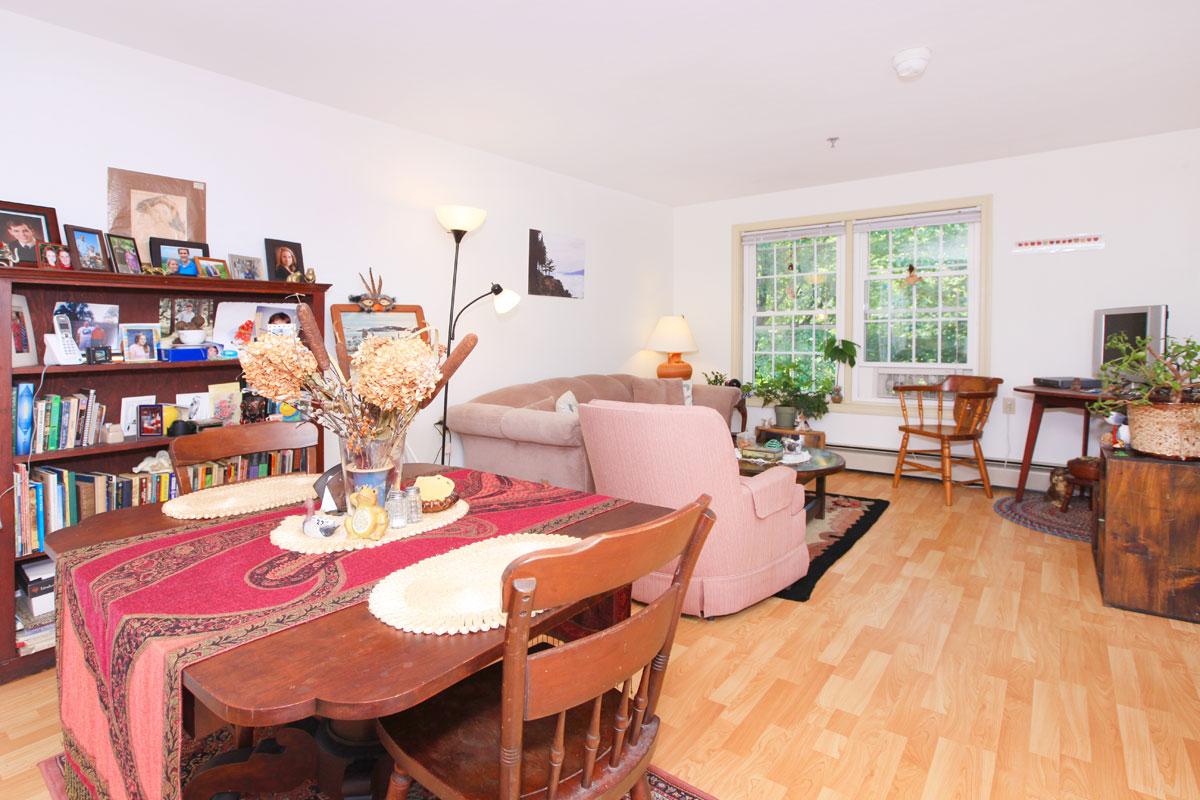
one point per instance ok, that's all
(1035, 513)
(847, 519)
(663, 786)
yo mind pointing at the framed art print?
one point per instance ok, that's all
(176, 256)
(87, 248)
(24, 345)
(23, 227)
(142, 205)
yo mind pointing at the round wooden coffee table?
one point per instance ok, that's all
(822, 464)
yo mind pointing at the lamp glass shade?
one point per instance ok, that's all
(672, 335)
(460, 218)
(505, 301)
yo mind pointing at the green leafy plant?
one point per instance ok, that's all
(715, 378)
(1139, 375)
(787, 388)
(840, 351)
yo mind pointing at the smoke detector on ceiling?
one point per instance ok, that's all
(910, 64)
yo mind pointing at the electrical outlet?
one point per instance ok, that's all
(1010, 405)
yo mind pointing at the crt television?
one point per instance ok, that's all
(1145, 321)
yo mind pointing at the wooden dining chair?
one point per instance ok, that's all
(549, 723)
(239, 440)
(973, 398)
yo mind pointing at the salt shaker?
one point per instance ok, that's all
(412, 505)
(395, 508)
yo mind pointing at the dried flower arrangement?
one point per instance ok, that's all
(389, 382)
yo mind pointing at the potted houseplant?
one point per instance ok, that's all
(788, 393)
(1160, 393)
(839, 351)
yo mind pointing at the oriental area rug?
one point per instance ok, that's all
(662, 785)
(847, 519)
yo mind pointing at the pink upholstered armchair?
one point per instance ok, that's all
(666, 455)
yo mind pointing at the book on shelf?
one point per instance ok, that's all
(56, 422)
(48, 498)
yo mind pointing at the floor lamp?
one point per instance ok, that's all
(458, 222)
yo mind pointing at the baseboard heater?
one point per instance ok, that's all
(1002, 473)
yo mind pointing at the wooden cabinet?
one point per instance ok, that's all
(1147, 543)
(138, 298)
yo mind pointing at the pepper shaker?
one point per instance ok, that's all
(412, 505)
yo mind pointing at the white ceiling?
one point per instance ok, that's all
(684, 101)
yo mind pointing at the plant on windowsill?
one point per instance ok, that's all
(791, 397)
(839, 351)
(1160, 393)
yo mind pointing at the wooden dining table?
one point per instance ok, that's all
(337, 673)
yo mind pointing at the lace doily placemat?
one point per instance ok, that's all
(458, 591)
(289, 533)
(235, 499)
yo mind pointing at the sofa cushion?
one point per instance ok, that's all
(657, 391)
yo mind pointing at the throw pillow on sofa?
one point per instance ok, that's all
(566, 403)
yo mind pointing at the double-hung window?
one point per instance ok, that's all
(793, 288)
(917, 299)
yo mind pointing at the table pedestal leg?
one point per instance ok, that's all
(1035, 424)
(347, 756)
(821, 497)
(278, 764)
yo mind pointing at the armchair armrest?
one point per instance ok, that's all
(771, 491)
(518, 424)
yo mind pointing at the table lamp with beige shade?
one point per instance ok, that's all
(673, 336)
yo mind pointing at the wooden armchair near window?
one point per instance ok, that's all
(239, 440)
(549, 723)
(973, 398)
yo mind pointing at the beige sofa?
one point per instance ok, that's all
(516, 430)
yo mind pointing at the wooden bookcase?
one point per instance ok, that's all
(137, 296)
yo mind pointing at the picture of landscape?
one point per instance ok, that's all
(556, 265)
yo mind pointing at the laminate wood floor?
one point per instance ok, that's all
(950, 654)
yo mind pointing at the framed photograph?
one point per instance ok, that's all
(94, 324)
(212, 267)
(87, 248)
(53, 256)
(277, 319)
(184, 314)
(351, 325)
(23, 227)
(176, 256)
(129, 412)
(556, 265)
(142, 205)
(285, 260)
(150, 420)
(139, 341)
(247, 268)
(24, 346)
(126, 258)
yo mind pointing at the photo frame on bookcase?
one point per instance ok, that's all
(24, 344)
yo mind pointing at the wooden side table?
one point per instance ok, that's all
(764, 433)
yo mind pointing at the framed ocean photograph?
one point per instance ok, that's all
(556, 265)
(351, 325)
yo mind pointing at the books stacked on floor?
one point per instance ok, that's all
(49, 498)
(247, 467)
(55, 422)
(35, 606)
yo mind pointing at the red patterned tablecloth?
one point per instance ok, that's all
(134, 613)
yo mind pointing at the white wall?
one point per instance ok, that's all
(354, 192)
(1143, 195)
